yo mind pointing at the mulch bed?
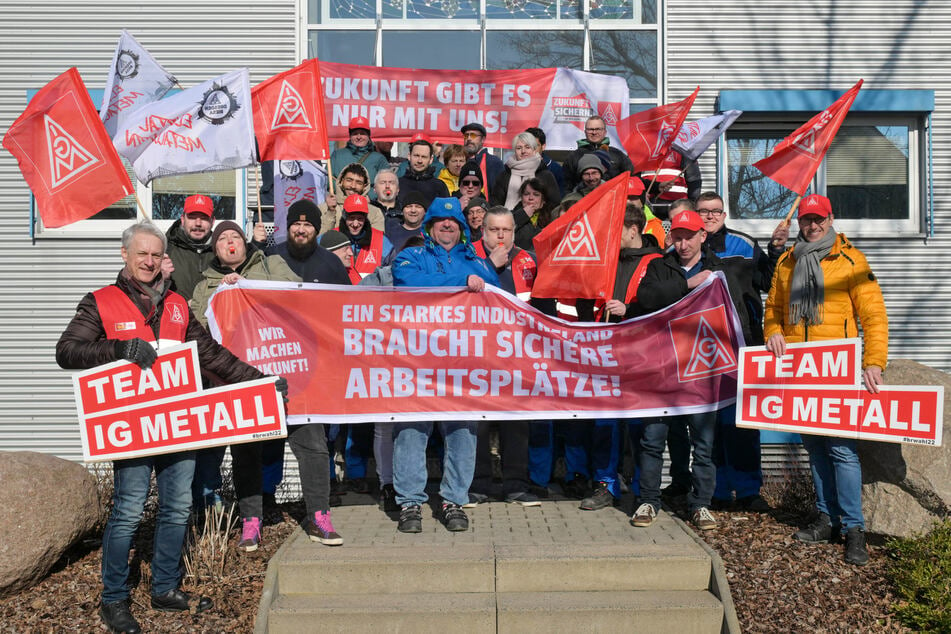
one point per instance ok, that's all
(778, 584)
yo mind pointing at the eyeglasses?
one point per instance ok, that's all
(594, 129)
(710, 212)
(470, 183)
(471, 135)
(813, 220)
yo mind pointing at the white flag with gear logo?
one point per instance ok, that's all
(207, 128)
(135, 79)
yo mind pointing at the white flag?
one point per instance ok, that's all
(207, 128)
(135, 79)
(293, 181)
(695, 137)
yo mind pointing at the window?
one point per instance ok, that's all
(875, 172)
(163, 200)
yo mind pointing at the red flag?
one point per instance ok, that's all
(650, 133)
(65, 154)
(794, 161)
(485, 176)
(577, 253)
(289, 120)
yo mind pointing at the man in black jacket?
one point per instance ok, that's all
(303, 255)
(129, 320)
(421, 176)
(596, 139)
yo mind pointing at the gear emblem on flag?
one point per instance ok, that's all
(578, 245)
(127, 64)
(218, 105)
(67, 157)
(290, 112)
(702, 344)
(290, 169)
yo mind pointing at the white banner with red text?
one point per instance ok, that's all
(356, 354)
(816, 388)
(127, 412)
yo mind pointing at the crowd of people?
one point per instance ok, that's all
(461, 217)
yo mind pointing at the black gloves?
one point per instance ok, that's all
(281, 386)
(138, 351)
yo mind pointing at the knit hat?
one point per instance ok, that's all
(333, 240)
(415, 198)
(471, 168)
(478, 201)
(225, 225)
(303, 211)
(590, 161)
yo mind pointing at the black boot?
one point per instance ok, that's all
(855, 550)
(819, 531)
(172, 601)
(118, 618)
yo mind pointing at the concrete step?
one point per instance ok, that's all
(678, 612)
(393, 613)
(596, 567)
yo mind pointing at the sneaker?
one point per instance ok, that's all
(475, 499)
(454, 517)
(118, 617)
(855, 550)
(388, 499)
(250, 534)
(600, 499)
(703, 519)
(523, 498)
(411, 520)
(359, 485)
(754, 504)
(819, 531)
(576, 488)
(674, 490)
(321, 529)
(644, 515)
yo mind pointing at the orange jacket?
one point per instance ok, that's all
(852, 295)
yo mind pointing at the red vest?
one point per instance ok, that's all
(123, 320)
(670, 171)
(524, 270)
(631, 295)
(367, 260)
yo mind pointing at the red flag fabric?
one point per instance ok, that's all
(65, 154)
(289, 120)
(485, 177)
(650, 133)
(577, 253)
(794, 161)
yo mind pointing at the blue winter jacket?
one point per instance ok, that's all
(432, 265)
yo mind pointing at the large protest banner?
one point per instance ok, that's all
(355, 354)
(402, 101)
(127, 412)
(815, 388)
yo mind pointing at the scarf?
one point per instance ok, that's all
(522, 170)
(807, 293)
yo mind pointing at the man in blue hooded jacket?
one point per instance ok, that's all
(447, 259)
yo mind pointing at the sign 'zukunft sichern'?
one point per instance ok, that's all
(816, 388)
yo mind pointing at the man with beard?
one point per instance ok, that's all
(399, 231)
(421, 176)
(473, 138)
(354, 179)
(359, 149)
(386, 186)
(303, 255)
(370, 246)
(188, 246)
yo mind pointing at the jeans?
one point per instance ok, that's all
(309, 444)
(736, 452)
(837, 476)
(409, 461)
(577, 437)
(606, 451)
(357, 450)
(513, 449)
(173, 475)
(207, 481)
(678, 448)
(540, 452)
(703, 473)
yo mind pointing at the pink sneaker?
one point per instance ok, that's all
(250, 534)
(321, 529)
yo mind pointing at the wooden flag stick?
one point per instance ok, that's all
(793, 209)
(330, 178)
(257, 186)
(141, 207)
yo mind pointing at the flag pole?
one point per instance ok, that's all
(257, 186)
(139, 204)
(793, 209)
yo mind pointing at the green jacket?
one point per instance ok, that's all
(190, 259)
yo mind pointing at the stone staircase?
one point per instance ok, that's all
(546, 569)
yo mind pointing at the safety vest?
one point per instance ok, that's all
(524, 270)
(123, 320)
(631, 294)
(670, 171)
(354, 276)
(366, 260)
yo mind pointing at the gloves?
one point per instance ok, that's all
(281, 386)
(138, 351)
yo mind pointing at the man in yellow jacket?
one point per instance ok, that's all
(819, 289)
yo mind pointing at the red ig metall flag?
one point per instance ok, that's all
(794, 161)
(577, 253)
(289, 120)
(651, 133)
(65, 154)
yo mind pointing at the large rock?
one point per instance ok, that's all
(907, 487)
(48, 503)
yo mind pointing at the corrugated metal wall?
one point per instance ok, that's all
(43, 282)
(829, 44)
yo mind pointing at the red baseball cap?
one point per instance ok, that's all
(359, 123)
(635, 186)
(356, 204)
(419, 136)
(815, 205)
(199, 204)
(686, 219)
